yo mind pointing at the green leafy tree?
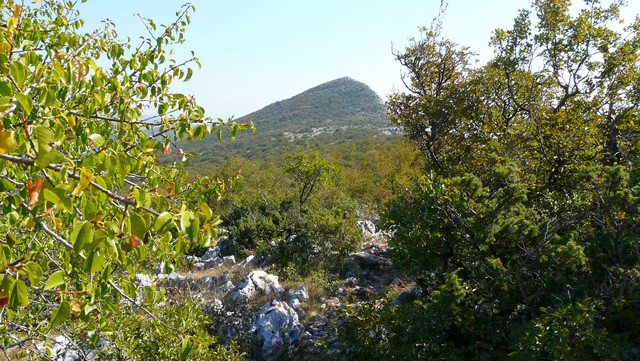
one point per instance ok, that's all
(530, 197)
(84, 203)
(307, 169)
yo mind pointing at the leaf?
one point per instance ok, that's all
(162, 108)
(45, 137)
(45, 158)
(95, 260)
(163, 222)
(81, 236)
(25, 102)
(7, 140)
(97, 140)
(4, 300)
(34, 271)
(56, 279)
(18, 295)
(206, 211)
(61, 314)
(18, 72)
(83, 182)
(58, 197)
(138, 225)
(134, 241)
(34, 190)
(189, 74)
(185, 348)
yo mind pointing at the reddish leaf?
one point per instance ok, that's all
(165, 148)
(34, 191)
(4, 300)
(134, 241)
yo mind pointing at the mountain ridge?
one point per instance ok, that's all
(336, 111)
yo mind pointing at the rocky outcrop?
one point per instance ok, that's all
(255, 283)
(276, 330)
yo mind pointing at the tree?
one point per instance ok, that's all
(530, 197)
(307, 169)
(84, 203)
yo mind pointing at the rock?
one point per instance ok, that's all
(257, 282)
(276, 329)
(142, 280)
(368, 228)
(63, 349)
(248, 262)
(351, 282)
(214, 306)
(297, 305)
(402, 297)
(229, 260)
(396, 282)
(368, 260)
(210, 254)
(301, 293)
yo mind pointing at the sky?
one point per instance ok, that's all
(256, 52)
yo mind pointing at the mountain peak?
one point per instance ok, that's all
(339, 102)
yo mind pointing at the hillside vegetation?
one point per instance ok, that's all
(337, 111)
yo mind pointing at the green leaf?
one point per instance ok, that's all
(61, 314)
(185, 348)
(49, 157)
(34, 271)
(18, 295)
(25, 102)
(95, 260)
(18, 72)
(163, 222)
(138, 225)
(189, 74)
(56, 279)
(206, 211)
(149, 294)
(81, 236)
(5, 255)
(44, 136)
(58, 197)
(162, 108)
(97, 140)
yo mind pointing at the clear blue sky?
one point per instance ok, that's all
(255, 52)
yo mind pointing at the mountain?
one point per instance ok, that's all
(342, 102)
(337, 111)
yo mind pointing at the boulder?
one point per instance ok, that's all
(276, 329)
(257, 282)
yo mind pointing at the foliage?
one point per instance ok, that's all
(83, 203)
(530, 194)
(293, 213)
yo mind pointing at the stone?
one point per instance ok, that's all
(257, 282)
(229, 260)
(368, 228)
(276, 329)
(210, 254)
(301, 293)
(248, 262)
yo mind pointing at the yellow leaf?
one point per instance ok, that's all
(83, 182)
(57, 224)
(7, 140)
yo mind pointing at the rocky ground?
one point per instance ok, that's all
(247, 303)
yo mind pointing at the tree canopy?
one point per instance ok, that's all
(84, 202)
(523, 232)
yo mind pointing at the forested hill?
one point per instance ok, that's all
(337, 111)
(340, 102)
